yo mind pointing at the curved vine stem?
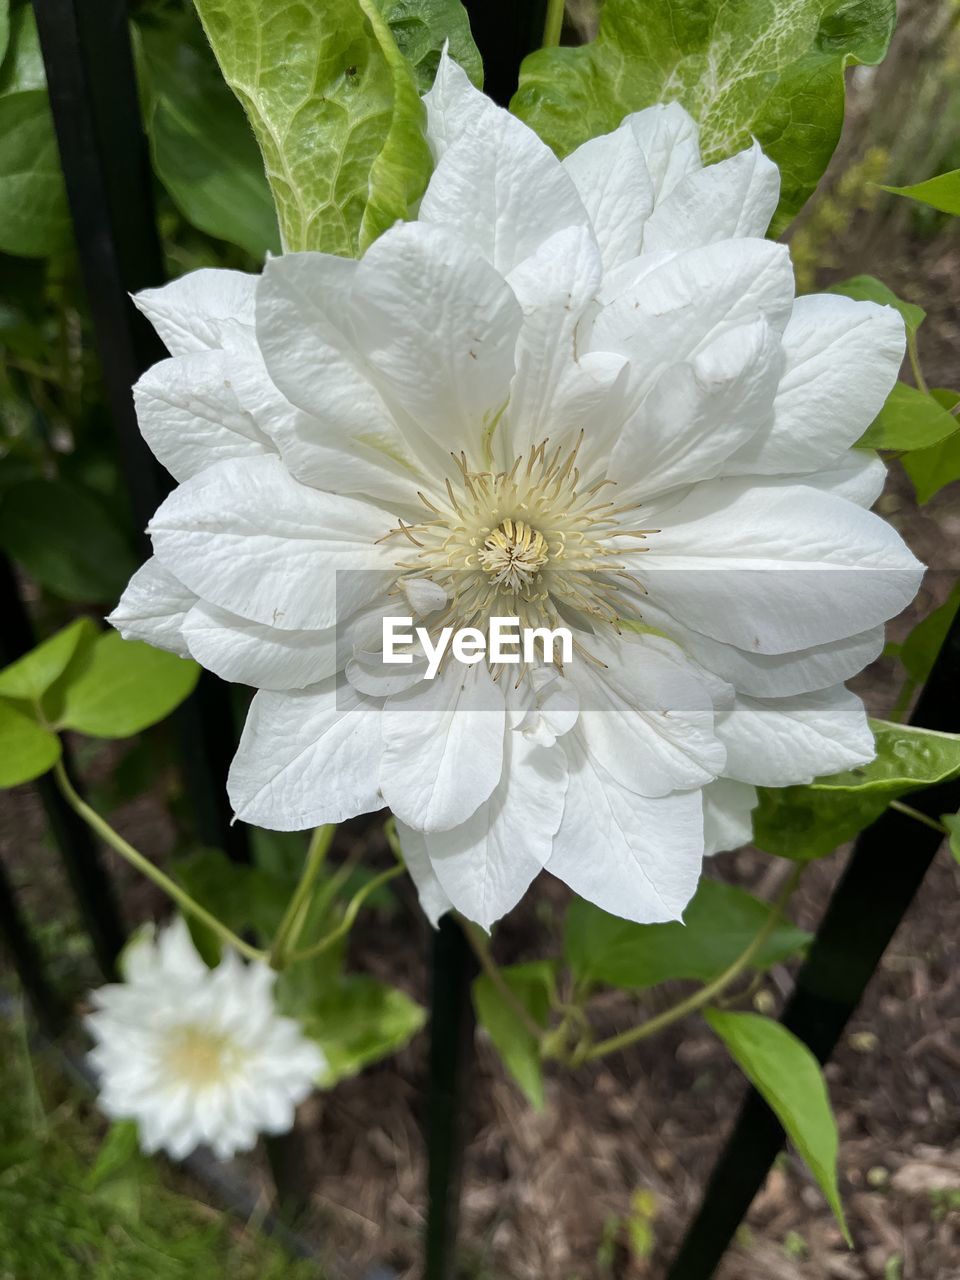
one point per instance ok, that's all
(478, 944)
(706, 994)
(146, 867)
(349, 916)
(295, 914)
(917, 816)
(553, 23)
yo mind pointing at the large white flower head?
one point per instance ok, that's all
(197, 1055)
(579, 391)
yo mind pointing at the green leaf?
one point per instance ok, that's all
(919, 651)
(118, 1150)
(804, 823)
(420, 28)
(32, 675)
(787, 1075)
(952, 823)
(356, 1021)
(27, 749)
(870, 289)
(909, 420)
(720, 923)
(203, 149)
(533, 985)
(120, 687)
(22, 66)
(942, 192)
(930, 470)
(4, 26)
(65, 539)
(335, 110)
(751, 69)
(34, 222)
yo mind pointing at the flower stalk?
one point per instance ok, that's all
(296, 913)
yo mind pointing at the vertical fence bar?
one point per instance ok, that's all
(885, 871)
(93, 94)
(451, 1054)
(91, 884)
(505, 31)
(48, 1008)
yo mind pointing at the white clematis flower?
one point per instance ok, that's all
(577, 392)
(197, 1055)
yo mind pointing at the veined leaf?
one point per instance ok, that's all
(335, 110)
(532, 985)
(941, 192)
(754, 69)
(910, 419)
(719, 925)
(27, 749)
(420, 28)
(804, 823)
(33, 674)
(787, 1075)
(930, 470)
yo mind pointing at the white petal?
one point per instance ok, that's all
(251, 653)
(248, 537)
(190, 417)
(775, 568)
(438, 326)
(176, 955)
(842, 358)
(367, 671)
(501, 188)
(433, 900)
(553, 286)
(635, 857)
(736, 197)
(153, 607)
(858, 475)
(443, 747)
(306, 758)
(690, 300)
(667, 136)
(194, 312)
(454, 105)
(727, 815)
(787, 741)
(645, 717)
(423, 596)
(611, 177)
(699, 413)
(486, 864)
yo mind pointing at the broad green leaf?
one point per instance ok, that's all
(118, 1150)
(65, 539)
(33, 674)
(122, 686)
(22, 68)
(203, 149)
(909, 420)
(870, 289)
(919, 651)
(930, 470)
(941, 192)
(356, 1021)
(787, 1075)
(420, 28)
(27, 749)
(335, 109)
(952, 823)
(804, 823)
(719, 925)
(4, 26)
(532, 984)
(753, 69)
(243, 897)
(34, 222)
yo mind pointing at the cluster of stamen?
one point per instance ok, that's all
(534, 542)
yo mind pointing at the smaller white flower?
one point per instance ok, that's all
(197, 1055)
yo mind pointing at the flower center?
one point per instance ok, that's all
(514, 554)
(197, 1056)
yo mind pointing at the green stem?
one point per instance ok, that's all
(351, 913)
(146, 867)
(909, 810)
(553, 23)
(914, 356)
(478, 943)
(706, 994)
(295, 914)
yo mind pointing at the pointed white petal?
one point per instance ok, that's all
(787, 741)
(736, 197)
(307, 757)
(727, 815)
(858, 475)
(454, 106)
(194, 312)
(443, 747)
(251, 653)
(667, 136)
(153, 607)
(842, 358)
(635, 857)
(611, 177)
(248, 537)
(413, 845)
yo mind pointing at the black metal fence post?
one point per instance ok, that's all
(885, 870)
(96, 110)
